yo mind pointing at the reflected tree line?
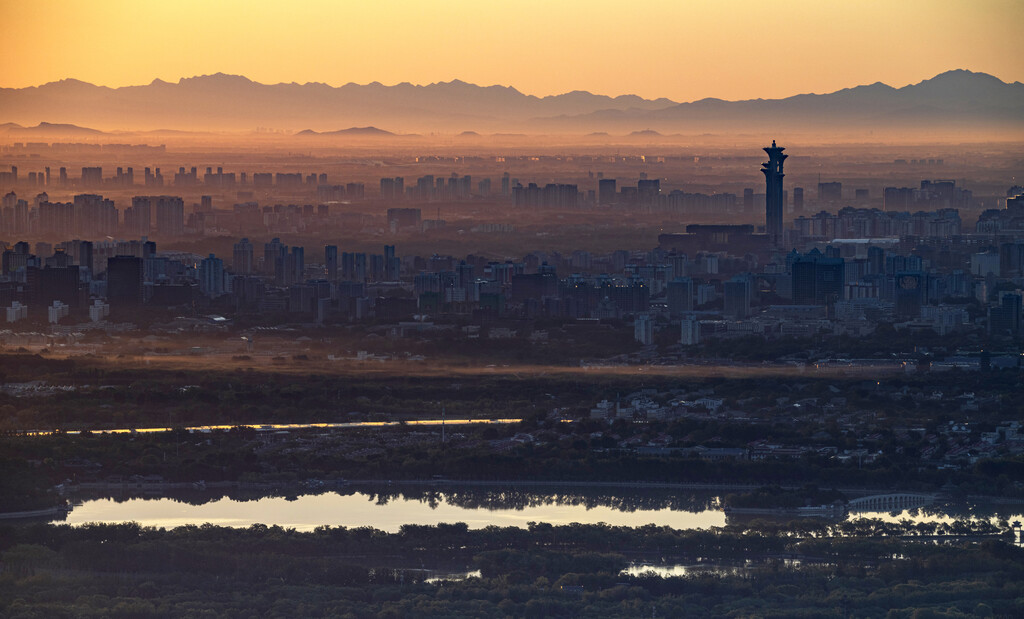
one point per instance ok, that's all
(511, 497)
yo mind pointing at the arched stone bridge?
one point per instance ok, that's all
(890, 502)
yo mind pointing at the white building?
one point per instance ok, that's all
(98, 310)
(17, 312)
(643, 329)
(690, 332)
(57, 311)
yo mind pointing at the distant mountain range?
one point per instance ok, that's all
(45, 129)
(953, 100)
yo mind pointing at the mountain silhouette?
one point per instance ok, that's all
(355, 131)
(233, 102)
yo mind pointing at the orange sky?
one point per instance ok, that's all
(681, 49)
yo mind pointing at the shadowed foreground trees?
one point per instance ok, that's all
(544, 570)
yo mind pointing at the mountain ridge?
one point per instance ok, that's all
(224, 101)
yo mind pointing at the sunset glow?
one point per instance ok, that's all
(652, 48)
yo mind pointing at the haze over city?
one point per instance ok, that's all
(511, 309)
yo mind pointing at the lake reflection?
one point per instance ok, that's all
(306, 512)
(678, 571)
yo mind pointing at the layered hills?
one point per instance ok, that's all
(957, 100)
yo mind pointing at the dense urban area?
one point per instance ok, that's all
(833, 361)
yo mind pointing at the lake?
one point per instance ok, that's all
(388, 508)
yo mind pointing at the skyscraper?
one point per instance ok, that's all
(775, 202)
(679, 293)
(817, 279)
(737, 297)
(211, 276)
(605, 191)
(124, 281)
(242, 257)
(331, 260)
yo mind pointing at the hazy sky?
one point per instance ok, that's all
(681, 49)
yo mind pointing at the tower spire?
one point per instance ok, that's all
(774, 202)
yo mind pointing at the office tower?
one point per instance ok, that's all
(10, 200)
(798, 199)
(124, 282)
(211, 276)
(774, 201)
(648, 190)
(679, 292)
(297, 265)
(53, 283)
(816, 279)
(605, 191)
(736, 293)
(1005, 318)
(331, 262)
(85, 254)
(911, 289)
(242, 257)
(876, 260)
(391, 264)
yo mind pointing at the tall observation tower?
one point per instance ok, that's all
(774, 202)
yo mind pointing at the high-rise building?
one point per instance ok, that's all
(775, 202)
(211, 276)
(170, 216)
(830, 193)
(911, 291)
(605, 191)
(139, 216)
(798, 199)
(124, 281)
(643, 329)
(1005, 318)
(273, 256)
(817, 280)
(296, 265)
(736, 293)
(689, 331)
(242, 257)
(392, 264)
(679, 293)
(92, 177)
(331, 262)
